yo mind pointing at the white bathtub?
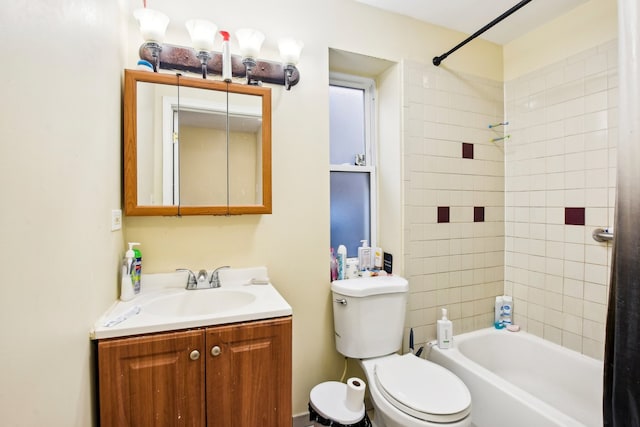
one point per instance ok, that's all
(519, 380)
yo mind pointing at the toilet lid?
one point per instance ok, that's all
(423, 389)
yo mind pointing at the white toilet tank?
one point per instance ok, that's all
(369, 314)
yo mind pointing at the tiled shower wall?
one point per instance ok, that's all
(453, 198)
(561, 154)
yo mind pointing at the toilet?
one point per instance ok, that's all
(406, 391)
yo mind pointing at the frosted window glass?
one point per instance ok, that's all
(346, 123)
(350, 219)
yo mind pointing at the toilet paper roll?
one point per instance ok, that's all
(355, 394)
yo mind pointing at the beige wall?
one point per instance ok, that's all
(296, 256)
(60, 174)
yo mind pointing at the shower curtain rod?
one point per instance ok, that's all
(438, 59)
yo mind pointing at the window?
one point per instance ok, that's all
(352, 161)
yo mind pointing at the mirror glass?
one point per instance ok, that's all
(200, 147)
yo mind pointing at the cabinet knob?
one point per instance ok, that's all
(195, 355)
(215, 350)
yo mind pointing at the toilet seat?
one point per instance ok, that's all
(423, 389)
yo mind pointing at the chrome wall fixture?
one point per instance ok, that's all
(201, 58)
(153, 26)
(602, 234)
(202, 34)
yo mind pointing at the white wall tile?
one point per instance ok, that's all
(561, 154)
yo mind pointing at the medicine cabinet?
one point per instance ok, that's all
(195, 147)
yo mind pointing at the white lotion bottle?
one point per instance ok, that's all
(364, 256)
(444, 331)
(126, 284)
(507, 310)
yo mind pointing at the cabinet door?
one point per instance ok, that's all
(155, 380)
(249, 374)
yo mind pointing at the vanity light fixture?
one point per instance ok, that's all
(153, 26)
(250, 42)
(201, 58)
(290, 50)
(202, 33)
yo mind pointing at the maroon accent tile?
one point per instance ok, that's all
(443, 213)
(574, 216)
(478, 214)
(467, 150)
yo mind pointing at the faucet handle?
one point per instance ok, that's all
(214, 280)
(192, 281)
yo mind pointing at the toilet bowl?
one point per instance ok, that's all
(407, 391)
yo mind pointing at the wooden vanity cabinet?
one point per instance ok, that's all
(235, 375)
(249, 382)
(152, 380)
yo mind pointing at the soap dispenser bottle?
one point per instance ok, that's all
(444, 331)
(364, 256)
(126, 283)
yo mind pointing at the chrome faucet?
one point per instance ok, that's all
(214, 280)
(192, 280)
(202, 277)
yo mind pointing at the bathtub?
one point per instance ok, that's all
(519, 380)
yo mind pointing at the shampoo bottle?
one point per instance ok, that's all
(377, 258)
(507, 310)
(342, 262)
(364, 256)
(444, 331)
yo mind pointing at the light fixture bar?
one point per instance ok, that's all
(182, 58)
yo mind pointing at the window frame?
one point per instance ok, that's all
(370, 138)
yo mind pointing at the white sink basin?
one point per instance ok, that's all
(165, 305)
(199, 302)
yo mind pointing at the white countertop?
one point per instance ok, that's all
(268, 304)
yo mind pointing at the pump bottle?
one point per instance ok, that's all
(126, 283)
(364, 256)
(444, 331)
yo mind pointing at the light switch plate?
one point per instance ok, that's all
(116, 219)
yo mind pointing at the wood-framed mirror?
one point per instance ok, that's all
(194, 146)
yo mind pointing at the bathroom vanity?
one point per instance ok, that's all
(230, 367)
(221, 376)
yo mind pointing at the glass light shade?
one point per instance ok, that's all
(250, 42)
(202, 33)
(290, 50)
(153, 24)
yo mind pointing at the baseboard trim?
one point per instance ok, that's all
(302, 420)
